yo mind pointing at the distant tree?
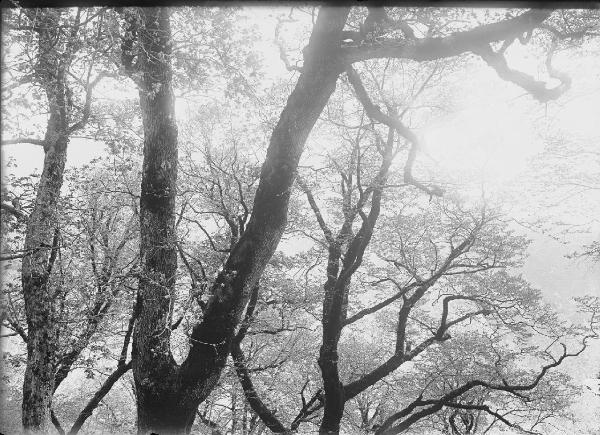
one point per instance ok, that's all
(571, 213)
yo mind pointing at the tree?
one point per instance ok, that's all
(93, 275)
(325, 60)
(57, 58)
(339, 272)
(159, 380)
(434, 270)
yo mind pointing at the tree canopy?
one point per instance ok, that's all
(275, 236)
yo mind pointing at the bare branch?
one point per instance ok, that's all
(88, 102)
(98, 396)
(40, 142)
(365, 312)
(258, 406)
(449, 46)
(56, 422)
(489, 411)
(377, 115)
(536, 88)
(448, 398)
(316, 210)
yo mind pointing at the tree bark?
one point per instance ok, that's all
(40, 305)
(159, 408)
(212, 337)
(169, 395)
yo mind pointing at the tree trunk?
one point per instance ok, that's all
(335, 303)
(159, 405)
(168, 395)
(40, 305)
(212, 337)
(334, 390)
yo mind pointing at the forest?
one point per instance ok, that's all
(245, 219)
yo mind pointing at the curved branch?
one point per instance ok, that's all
(536, 88)
(448, 398)
(444, 324)
(564, 78)
(377, 115)
(449, 46)
(493, 413)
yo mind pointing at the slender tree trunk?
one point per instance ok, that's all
(40, 305)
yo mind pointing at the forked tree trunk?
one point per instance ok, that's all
(168, 394)
(159, 406)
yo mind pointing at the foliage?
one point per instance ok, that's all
(434, 330)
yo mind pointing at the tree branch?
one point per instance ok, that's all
(40, 142)
(536, 88)
(88, 102)
(377, 115)
(424, 49)
(258, 406)
(487, 409)
(365, 312)
(14, 211)
(436, 405)
(11, 324)
(8, 257)
(316, 210)
(56, 422)
(97, 398)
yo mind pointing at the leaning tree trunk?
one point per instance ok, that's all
(211, 339)
(40, 238)
(169, 395)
